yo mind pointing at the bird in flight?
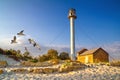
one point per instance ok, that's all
(14, 40)
(26, 49)
(31, 41)
(36, 45)
(21, 33)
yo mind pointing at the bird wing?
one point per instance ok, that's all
(38, 46)
(34, 44)
(22, 31)
(11, 41)
(26, 49)
(31, 41)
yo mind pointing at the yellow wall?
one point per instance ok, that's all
(85, 58)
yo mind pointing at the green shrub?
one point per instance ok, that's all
(34, 60)
(64, 56)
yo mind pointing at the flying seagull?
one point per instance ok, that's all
(31, 41)
(14, 40)
(21, 33)
(36, 45)
(26, 49)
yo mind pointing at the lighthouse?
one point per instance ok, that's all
(72, 16)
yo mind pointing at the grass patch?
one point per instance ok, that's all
(3, 63)
(1, 71)
(115, 63)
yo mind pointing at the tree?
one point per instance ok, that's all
(53, 54)
(64, 56)
(18, 54)
(26, 53)
(11, 52)
(26, 56)
(8, 52)
(43, 58)
(2, 51)
(34, 60)
(18, 51)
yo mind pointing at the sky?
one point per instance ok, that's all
(46, 21)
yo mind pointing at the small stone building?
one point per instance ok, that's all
(93, 56)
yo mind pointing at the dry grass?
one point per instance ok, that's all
(1, 71)
(54, 61)
(115, 63)
(49, 70)
(36, 71)
(3, 63)
(38, 64)
(19, 70)
(66, 66)
(70, 66)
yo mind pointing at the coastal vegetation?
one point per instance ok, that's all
(50, 58)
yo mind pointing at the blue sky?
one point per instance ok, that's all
(97, 23)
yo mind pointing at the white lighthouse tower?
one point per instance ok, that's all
(72, 16)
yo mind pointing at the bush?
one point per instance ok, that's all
(53, 54)
(34, 60)
(43, 58)
(2, 51)
(64, 56)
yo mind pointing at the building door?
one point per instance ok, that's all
(86, 59)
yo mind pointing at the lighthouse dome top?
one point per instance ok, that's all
(72, 13)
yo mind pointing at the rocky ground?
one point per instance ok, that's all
(101, 72)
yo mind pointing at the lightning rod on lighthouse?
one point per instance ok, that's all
(72, 16)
